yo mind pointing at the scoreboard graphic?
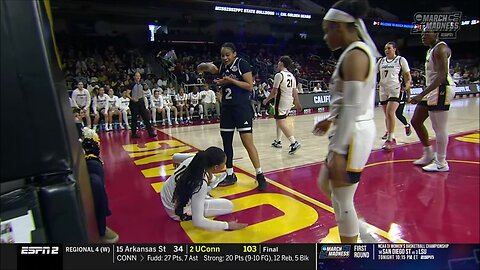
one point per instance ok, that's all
(251, 256)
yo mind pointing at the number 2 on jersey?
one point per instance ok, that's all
(228, 94)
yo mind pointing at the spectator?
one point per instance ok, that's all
(457, 76)
(208, 101)
(317, 88)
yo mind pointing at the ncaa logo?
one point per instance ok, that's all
(234, 69)
(33, 250)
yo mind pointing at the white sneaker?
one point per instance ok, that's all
(436, 166)
(121, 126)
(424, 160)
(217, 179)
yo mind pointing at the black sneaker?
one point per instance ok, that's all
(294, 147)
(262, 182)
(229, 180)
(277, 144)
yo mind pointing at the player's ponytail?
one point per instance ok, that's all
(189, 179)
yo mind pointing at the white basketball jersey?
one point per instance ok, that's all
(182, 99)
(101, 101)
(336, 88)
(167, 100)
(430, 71)
(112, 102)
(81, 97)
(148, 94)
(124, 103)
(157, 102)
(391, 70)
(286, 84)
(194, 98)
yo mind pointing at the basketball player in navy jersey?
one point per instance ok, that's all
(237, 83)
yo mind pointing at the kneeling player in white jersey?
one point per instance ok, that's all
(185, 193)
(391, 68)
(285, 93)
(352, 102)
(434, 101)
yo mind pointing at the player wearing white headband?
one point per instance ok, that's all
(351, 111)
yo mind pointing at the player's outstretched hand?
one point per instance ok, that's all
(234, 225)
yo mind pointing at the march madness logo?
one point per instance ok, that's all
(334, 252)
(445, 23)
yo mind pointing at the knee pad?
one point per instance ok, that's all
(346, 215)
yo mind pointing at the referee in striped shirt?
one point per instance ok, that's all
(137, 106)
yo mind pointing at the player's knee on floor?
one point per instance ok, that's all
(346, 214)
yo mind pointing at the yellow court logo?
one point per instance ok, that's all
(471, 138)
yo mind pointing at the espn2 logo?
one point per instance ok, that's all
(33, 250)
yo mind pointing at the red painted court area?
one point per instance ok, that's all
(400, 201)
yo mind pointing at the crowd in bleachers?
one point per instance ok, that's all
(98, 75)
